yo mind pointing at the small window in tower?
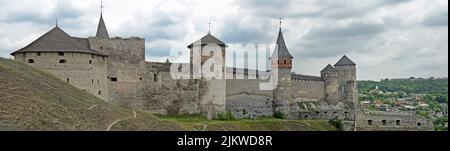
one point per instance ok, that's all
(101, 48)
(38, 54)
(68, 80)
(140, 78)
(90, 61)
(62, 61)
(113, 79)
(370, 122)
(398, 122)
(285, 61)
(419, 124)
(155, 78)
(61, 53)
(92, 81)
(31, 61)
(92, 56)
(384, 122)
(99, 92)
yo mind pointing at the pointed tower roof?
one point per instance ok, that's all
(345, 61)
(102, 32)
(281, 47)
(208, 39)
(56, 40)
(329, 68)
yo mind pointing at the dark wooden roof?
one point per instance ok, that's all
(281, 50)
(208, 39)
(329, 68)
(345, 61)
(56, 40)
(102, 32)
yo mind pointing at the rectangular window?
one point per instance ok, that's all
(155, 78)
(61, 53)
(38, 53)
(113, 79)
(63, 61)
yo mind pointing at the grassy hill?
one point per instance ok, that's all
(200, 123)
(34, 100)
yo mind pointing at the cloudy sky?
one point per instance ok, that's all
(386, 38)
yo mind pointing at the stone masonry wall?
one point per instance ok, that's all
(85, 71)
(163, 95)
(126, 67)
(307, 91)
(395, 121)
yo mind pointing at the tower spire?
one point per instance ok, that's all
(281, 22)
(102, 32)
(209, 28)
(282, 50)
(101, 7)
(56, 21)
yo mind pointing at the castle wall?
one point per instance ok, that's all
(395, 121)
(247, 87)
(308, 91)
(84, 71)
(246, 100)
(126, 65)
(164, 95)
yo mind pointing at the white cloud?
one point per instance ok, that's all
(385, 38)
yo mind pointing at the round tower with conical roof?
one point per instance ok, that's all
(330, 76)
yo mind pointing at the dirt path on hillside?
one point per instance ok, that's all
(119, 120)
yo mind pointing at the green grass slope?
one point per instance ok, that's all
(200, 123)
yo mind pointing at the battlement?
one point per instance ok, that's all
(382, 113)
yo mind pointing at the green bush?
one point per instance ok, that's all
(336, 123)
(280, 115)
(225, 116)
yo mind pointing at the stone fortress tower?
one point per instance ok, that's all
(282, 65)
(115, 70)
(212, 52)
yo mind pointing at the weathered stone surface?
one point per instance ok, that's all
(250, 106)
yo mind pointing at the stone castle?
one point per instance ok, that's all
(115, 70)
